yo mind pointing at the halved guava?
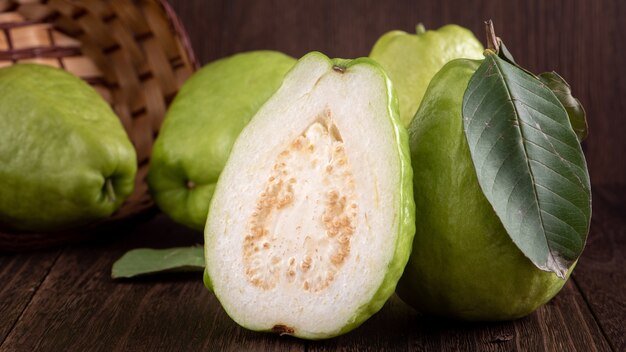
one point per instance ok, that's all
(312, 219)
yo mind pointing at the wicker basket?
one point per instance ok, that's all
(135, 54)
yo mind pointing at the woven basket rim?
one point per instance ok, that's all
(181, 31)
(12, 25)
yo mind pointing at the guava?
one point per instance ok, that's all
(312, 218)
(65, 159)
(463, 265)
(411, 60)
(201, 125)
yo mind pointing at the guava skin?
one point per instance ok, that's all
(60, 144)
(201, 125)
(411, 60)
(406, 206)
(463, 265)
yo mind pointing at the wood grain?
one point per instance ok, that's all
(581, 40)
(21, 275)
(565, 324)
(601, 272)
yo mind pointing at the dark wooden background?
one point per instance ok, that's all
(63, 299)
(583, 40)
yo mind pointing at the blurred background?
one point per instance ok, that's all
(581, 40)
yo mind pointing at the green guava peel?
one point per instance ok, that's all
(471, 258)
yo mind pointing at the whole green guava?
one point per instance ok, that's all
(65, 159)
(411, 60)
(201, 125)
(464, 264)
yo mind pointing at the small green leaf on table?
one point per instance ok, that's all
(145, 261)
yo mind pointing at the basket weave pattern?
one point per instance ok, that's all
(136, 54)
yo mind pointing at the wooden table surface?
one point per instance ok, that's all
(63, 299)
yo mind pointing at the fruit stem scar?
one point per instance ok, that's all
(190, 184)
(283, 330)
(108, 184)
(339, 69)
(420, 29)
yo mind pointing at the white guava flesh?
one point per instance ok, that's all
(311, 222)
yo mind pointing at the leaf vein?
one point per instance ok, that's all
(535, 94)
(517, 114)
(565, 199)
(559, 155)
(480, 137)
(564, 222)
(579, 184)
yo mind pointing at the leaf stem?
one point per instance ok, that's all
(493, 42)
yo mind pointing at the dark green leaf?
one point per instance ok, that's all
(529, 163)
(504, 54)
(563, 92)
(146, 261)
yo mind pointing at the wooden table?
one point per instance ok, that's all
(64, 300)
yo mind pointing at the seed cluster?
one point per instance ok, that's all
(314, 263)
(338, 223)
